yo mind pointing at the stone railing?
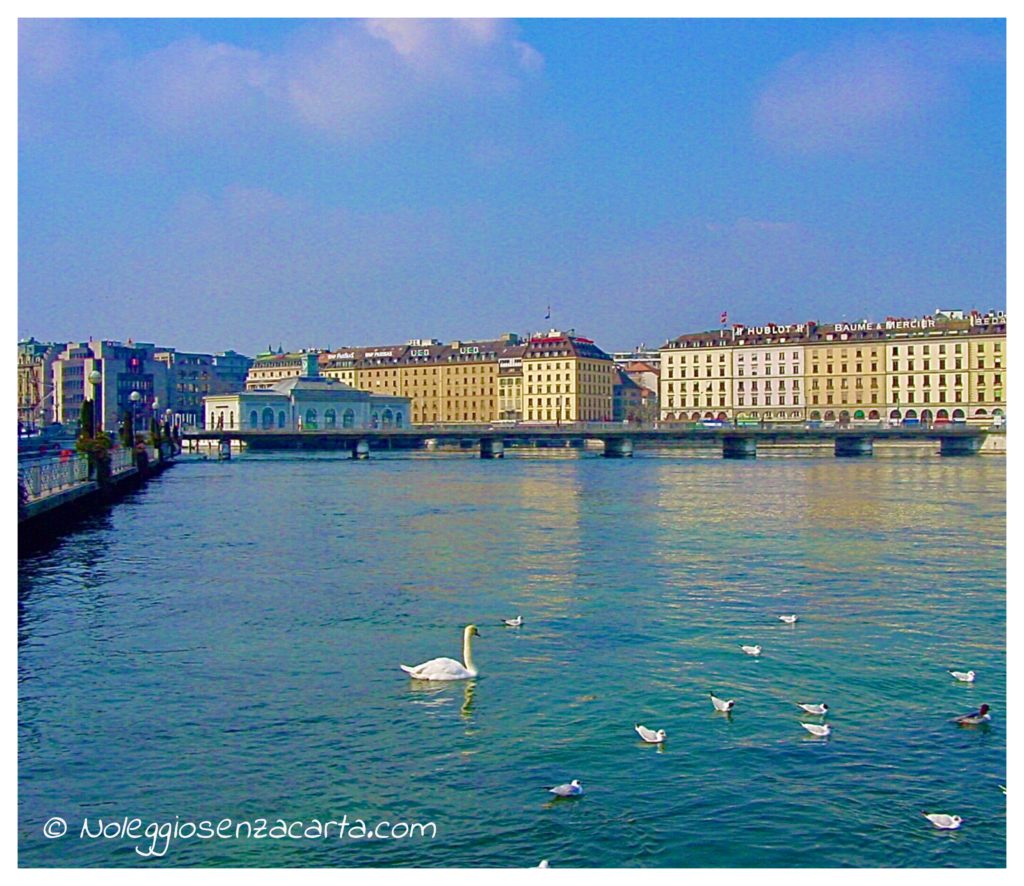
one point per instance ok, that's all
(45, 477)
(120, 461)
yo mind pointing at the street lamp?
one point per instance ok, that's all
(134, 397)
(95, 377)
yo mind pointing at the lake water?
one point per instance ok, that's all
(225, 644)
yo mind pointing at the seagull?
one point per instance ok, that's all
(788, 619)
(513, 622)
(573, 789)
(724, 706)
(942, 821)
(975, 718)
(818, 709)
(751, 650)
(963, 677)
(815, 729)
(649, 735)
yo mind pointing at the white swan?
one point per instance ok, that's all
(448, 668)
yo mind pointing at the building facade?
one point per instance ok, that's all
(304, 403)
(946, 367)
(193, 376)
(270, 367)
(547, 378)
(122, 368)
(35, 382)
(567, 378)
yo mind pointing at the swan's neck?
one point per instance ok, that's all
(467, 651)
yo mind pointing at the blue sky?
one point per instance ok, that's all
(237, 183)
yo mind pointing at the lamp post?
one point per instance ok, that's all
(134, 398)
(94, 378)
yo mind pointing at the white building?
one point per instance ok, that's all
(307, 403)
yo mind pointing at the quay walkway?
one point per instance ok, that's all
(618, 441)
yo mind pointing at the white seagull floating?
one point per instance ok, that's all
(788, 619)
(815, 729)
(819, 709)
(724, 706)
(751, 650)
(942, 821)
(513, 622)
(572, 789)
(448, 668)
(963, 676)
(650, 735)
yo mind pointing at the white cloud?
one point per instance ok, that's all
(861, 96)
(339, 78)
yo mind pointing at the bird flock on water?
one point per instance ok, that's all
(450, 669)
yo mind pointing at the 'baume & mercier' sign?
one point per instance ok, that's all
(860, 326)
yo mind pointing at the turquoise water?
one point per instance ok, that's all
(225, 644)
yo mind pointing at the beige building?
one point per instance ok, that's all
(269, 368)
(453, 383)
(566, 378)
(946, 367)
(35, 382)
(697, 379)
(548, 378)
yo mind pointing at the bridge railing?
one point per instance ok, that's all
(45, 477)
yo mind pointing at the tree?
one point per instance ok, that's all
(127, 432)
(85, 419)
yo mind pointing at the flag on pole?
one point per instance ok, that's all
(547, 316)
(725, 317)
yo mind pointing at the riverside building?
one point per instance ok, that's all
(946, 367)
(547, 378)
(122, 368)
(305, 402)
